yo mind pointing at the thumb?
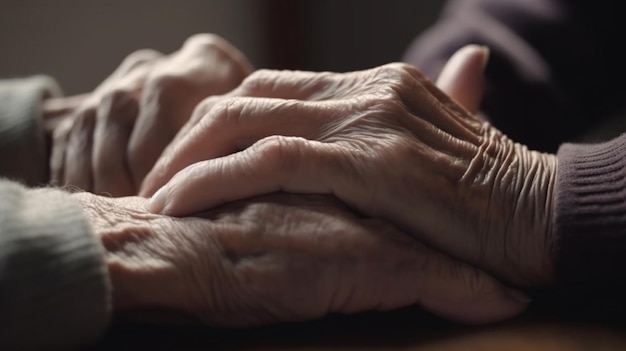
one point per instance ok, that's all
(462, 76)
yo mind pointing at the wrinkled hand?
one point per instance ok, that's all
(387, 142)
(107, 141)
(282, 258)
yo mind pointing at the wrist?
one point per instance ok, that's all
(141, 276)
(511, 189)
(110, 222)
(529, 231)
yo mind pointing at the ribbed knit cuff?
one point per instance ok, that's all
(23, 155)
(54, 289)
(590, 226)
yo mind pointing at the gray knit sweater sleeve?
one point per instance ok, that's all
(54, 288)
(23, 154)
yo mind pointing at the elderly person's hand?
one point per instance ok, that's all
(388, 143)
(108, 140)
(281, 258)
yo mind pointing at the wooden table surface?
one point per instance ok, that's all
(407, 329)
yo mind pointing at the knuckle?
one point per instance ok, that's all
(205, 42)
(201, 44)
(392, 84)
(204, 106)
(257, 80)
(215, 56)
(140, 58)
(202, 109)
(280, 152)
(401, 70)
(401, 76)
(225, 113)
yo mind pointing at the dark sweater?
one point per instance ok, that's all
(555, 74)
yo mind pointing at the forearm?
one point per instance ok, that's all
(55, 289)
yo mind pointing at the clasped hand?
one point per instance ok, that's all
(107, 141)
(388, 143)
(400, 153)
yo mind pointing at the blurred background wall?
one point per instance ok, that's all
(79, 42)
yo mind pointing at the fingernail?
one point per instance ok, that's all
(517, 295)
(157, 201)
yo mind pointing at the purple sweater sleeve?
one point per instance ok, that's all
(554, 69)
(590, 225)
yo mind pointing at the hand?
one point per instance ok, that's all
(387, 142)
(107, 141)
(282, 258)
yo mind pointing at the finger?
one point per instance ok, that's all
(149, 138)
(427, 102)
(233, 125)
(132, 68)
(200, 42)
(399, 271)
(147, 141)
(299, 85)
(206, 65)
(60, 140)
(200, 111)
(447, 287)
(78, 155)
(276, 163)
(168, 162)
(115, 119)
(136, 60)
(462, 76)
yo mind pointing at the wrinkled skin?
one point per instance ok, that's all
(108, 140)
(281, 258)
(387, 142)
